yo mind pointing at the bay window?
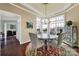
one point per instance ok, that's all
(50, 26)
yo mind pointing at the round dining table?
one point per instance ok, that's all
(46, 39)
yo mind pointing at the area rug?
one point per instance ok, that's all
(76, 49)
(54, 51)
(51, 51)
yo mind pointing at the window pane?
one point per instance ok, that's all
(57, 21)
(54, 23)
(38, 22)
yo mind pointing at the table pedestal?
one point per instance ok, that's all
(45, 45)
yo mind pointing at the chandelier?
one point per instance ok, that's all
(45, 12)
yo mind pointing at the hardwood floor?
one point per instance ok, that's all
(23, 48)
(14, 49)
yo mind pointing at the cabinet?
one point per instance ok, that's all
(68, 34)
(71, 35)
(75, 36)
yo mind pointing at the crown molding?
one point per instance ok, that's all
(24, 9)
(63, 10)
(71, 7)
(31, 8)
(60, 11)
(3, 12)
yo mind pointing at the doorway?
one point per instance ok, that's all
(10, 22)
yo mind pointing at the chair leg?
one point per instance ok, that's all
(35, 52)
(28, 53)
(32, 52)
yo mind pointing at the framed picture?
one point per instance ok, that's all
(12, 26)
(29, 24)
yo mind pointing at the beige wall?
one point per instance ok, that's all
(73, 15)
(25, 16)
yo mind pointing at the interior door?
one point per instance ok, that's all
(9, 26)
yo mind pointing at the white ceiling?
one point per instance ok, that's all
(39, 8)
(7, 14)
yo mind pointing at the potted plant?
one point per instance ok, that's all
(69, 23)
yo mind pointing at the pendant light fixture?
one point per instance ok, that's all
(45, 12)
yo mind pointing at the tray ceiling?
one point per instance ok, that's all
(39, 8)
